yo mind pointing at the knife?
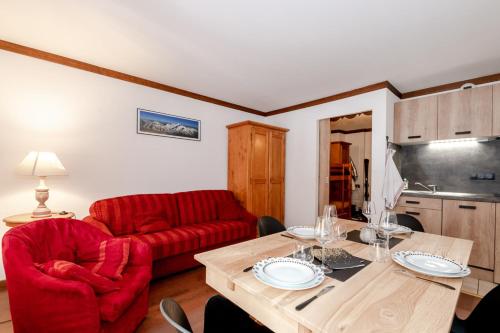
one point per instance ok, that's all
(306, 303)
(405, 272)
(347, 267)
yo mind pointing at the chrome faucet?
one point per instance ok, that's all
(433, 188)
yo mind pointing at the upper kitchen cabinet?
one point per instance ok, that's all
(415, 120)
(465, 114)
(496, 109)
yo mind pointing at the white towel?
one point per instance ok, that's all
(393, 184)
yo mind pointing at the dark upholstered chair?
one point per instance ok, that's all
(410, 222)
(484, 318)
(269, 225)
(174, 314)
(221, 316)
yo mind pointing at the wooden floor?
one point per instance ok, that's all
(189, 289)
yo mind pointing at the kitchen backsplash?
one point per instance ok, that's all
(452, 165)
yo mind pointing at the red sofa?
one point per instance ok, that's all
(184, 224)
(42, 303)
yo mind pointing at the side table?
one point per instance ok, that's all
(21, 219)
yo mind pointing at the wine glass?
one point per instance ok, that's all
(339, 232)
(324, 234)
(330, 212)
(388, 224)
(369, 211)
(303, 252)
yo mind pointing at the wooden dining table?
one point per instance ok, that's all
(376, 299)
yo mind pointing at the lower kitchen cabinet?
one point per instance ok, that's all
(429, 218)
(475, 221)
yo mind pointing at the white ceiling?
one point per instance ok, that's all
(267, 54)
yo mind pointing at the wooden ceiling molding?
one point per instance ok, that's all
(336, 97)
(451, 86)
(35, 53)
(61, 60)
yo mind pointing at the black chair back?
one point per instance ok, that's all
(410, 222)
(269, 225)
(174, 314)
(485, 316)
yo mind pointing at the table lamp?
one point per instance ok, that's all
(42, 165)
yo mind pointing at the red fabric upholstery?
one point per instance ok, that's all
(229, 210)
(200, 206)
(42, 303)
(120, 213)
(171, 242)
(217, 232)
(70, 271)
(194, 224)
(113, 305)
(107, 258)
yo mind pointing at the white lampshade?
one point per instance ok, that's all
(41, 164)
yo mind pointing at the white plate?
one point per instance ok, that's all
(288, 273)
(401, 230)
(399, 258)
(304, 232)
(430, 262)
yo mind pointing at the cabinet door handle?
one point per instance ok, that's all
(413, 202)
(466, 207)
(412, 213)
(462, 132)
(414, 137)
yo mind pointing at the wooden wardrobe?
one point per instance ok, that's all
(256, 167)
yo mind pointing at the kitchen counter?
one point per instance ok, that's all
(453, 196)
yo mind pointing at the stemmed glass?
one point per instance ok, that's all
(388, 223)
(330, 212)
(369, 211)
(323, 232)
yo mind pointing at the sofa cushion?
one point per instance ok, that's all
(107, 258)
(112, 305)
(145, 224)
(120, 213)
(200, 206)
(66, 270)
(170, 242)
(229, 210)
(217, 232)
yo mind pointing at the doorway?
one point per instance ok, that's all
(345, 163)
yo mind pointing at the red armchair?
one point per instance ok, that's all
(41, 303)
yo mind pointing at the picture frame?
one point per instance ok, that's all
(167, 125)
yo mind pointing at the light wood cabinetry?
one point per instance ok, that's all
(256, 167)
(415, 120)
(474, 221)
(429, 218)
(426, 210)
(497, 245)
(465, 114)
(496, 109)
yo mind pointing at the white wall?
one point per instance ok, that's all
(90, 122)
(302, 150)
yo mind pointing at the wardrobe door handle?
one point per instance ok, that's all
(413, 202)
(412, 213)
(414, 137)
(462, 132)
(466, 207)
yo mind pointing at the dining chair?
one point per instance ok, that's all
(483, 318)
(221, 316)
(175, 315)
(268, 225)
(410, 222)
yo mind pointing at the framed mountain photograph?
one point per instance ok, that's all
(162, 124)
